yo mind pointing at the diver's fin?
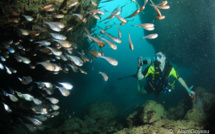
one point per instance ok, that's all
(134, 75)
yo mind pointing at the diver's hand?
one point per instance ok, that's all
(190, 92)
(140, 64)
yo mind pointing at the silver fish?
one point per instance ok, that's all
(55, 107)
(1, 66)
(130, 42)
(104, 75)
(53, 27)
(52, 100)
(150, 36)
(28, 18)
(111, 44)
(44, 43)
(37, 101)
(115, 39)
(112, 61)
(66, 85)
(63, 91)
(7, 108)
(12, 97)
(78, 61)
(119, 32)
(73, 4)
(26, 80)
(34, 121)
(58, 36)
(118, 17)
(55, 51)
(64, 43)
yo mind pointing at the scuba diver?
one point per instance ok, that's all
(160, 76)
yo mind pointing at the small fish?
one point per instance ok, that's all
(25, 59)
(159, 15)
(102, 30)
(106, 1)
(82, 71)
(96, 40)
(12, 97)
(147, 26)
(47, 65)
(130, 42)
(41, 117)
(43, 43)
(47, 6)
(115, 39)
(55, 107)
(52, 100)
(28, 18)
(7, 108)
(73, 4)
(37, 101)
(64, 43)
(63, 91)
(55, 113)
(59, 24)
(163, 3)
(11, 50)
(85, 58)
(88, 33)
(119, 32)
(143, 7)
(50, 9)
(150, 36)
(163, 7)
(81, 17)
(112, 45)
(58, 36)
(78, 61)
(53, 27)
(104, 75)
(134, 13)
(112, 61)
(97, 17)
(27, 97)
(59, 16)
(34, 121)
(93, 2)
(118, 17)
(1, 66)
(55, 51)
(73, 67)
(66, 85)
(24, 32)
(26, 80)
(8, 70)
(95, 53)
(111, 16)
(39, 110)
(98, 11)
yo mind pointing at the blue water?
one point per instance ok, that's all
(123, 93)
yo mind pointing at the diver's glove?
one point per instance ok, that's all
(140, 63)
(190, 92)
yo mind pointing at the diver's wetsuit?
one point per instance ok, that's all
(157, 81)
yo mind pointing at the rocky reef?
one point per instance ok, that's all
(152, 118)
(100, 118)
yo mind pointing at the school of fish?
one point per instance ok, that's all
(49, 39)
